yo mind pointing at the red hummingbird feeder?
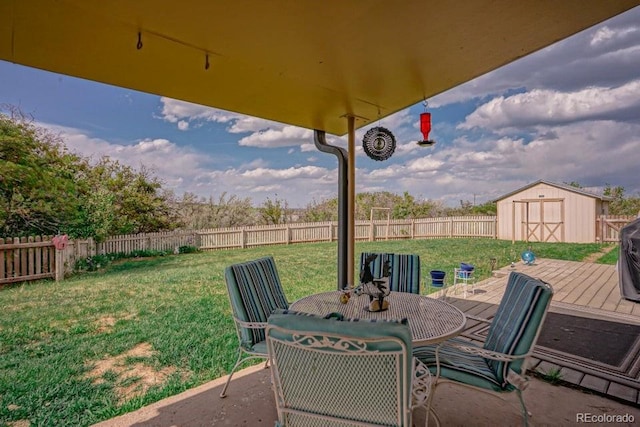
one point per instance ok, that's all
(425, 128)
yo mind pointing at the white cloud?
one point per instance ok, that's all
(427, 163)
(605, 35)
(308, 147)
(174, 111)
(288, 173)
(245, 124)
(176, 166)
(284, 137)
(263, 133)
(543, 107)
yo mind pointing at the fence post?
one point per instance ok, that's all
(59, 265)
(243, 235)
(495, 227)
(450, 227)
(371, 231)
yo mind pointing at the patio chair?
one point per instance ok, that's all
(499, 366)
(254, 292)
(328, 372)
(405, 270)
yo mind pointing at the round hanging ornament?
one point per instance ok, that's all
(379, 143)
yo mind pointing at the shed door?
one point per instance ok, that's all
(542, 220)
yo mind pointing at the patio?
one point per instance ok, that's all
(251, 403)
(590, 389)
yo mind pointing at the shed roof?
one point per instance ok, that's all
(566, 187)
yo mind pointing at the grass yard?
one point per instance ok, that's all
(101, 344)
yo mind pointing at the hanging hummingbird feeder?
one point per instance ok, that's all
(425, 128)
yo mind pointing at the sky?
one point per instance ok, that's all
(567, 113)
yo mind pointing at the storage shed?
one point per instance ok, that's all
(548, 212)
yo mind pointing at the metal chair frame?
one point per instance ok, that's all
(246, 348)
(345, 355)
(513, 381)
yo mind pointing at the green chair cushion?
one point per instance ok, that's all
(255, 292)
(517, 321)
(460, 366)
(405, 270)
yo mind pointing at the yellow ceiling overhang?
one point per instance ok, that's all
(306, 63)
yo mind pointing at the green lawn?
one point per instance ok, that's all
(79, 351)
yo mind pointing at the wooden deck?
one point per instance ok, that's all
(579, 286)
(581, 289)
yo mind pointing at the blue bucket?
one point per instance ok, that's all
(437, 278)
(465, 270)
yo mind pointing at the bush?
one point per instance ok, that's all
(97, 262)
(187, 249)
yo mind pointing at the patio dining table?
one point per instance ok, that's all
(430, 320)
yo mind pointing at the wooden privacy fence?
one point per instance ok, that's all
(26, 258)
(23, 259)
(32, 258)
(428, 228)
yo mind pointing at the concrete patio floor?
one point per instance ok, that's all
(594, 396)
(250, 402)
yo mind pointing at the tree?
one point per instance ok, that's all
(232, 211)
(402, 207)
(39, 193)
(325, 210)
(228, 211)
(274, 211)
(122, 200)
(409, 207)
(488, 208)
(45, 189)
(621, 205)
